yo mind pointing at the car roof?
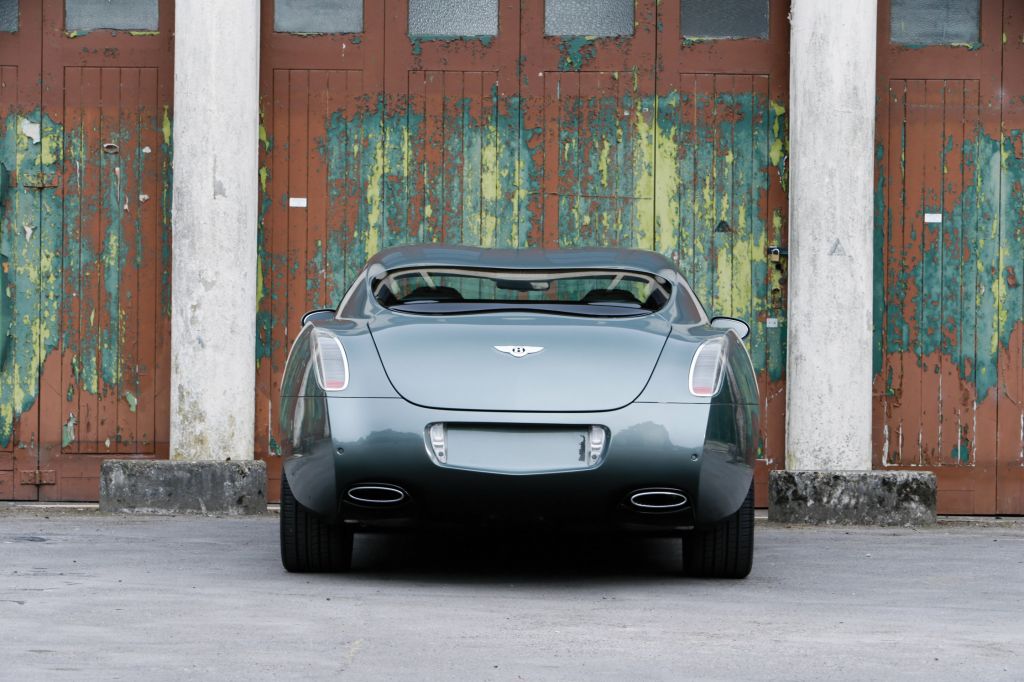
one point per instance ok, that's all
(425, 255)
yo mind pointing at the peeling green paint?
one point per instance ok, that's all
(576, 52)
(68, 431)
(961, 453)
(264, 139)
(167, 178)
(66, 282)
(882, 217)
(31, 244)
(950, 297)
(779, 152)
(166, 125)
(418, 40)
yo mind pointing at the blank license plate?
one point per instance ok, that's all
(521, 450)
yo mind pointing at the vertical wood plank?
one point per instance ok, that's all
(71, 303)
(150, 346)
(452, 162)
(955, 417)
(130, 255)
(93, 186)
(298, 179)
(318, 196)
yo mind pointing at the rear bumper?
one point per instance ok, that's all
(650, 445)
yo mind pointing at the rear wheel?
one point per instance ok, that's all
(308, 543)
(725, 550)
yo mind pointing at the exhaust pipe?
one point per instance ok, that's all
(653, 500)
(376, 494)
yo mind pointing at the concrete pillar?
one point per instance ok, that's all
(213, 320)
(832, 125)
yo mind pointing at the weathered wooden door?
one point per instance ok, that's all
(107, 81)
(721, 151)
(948, 383)
(87, 367)
(321, 175)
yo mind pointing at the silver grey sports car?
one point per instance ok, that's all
(477, 386)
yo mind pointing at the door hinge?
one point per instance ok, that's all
(38, 180)
(39, 477)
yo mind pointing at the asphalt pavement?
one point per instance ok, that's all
(86, 596)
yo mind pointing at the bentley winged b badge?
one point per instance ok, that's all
(519, 351)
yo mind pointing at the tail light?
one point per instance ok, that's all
(707, 368)
(331, 361)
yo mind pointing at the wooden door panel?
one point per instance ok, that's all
(722, 130)
(111, 257)
(456, 145)
(588, 133)
(941, 324)
(321, 179)
(323, 168)
(599, 160)
(104, 392)
(451, 111)
(939, 404)
(720, 191)
(22, 243)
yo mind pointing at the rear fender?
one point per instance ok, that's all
(311, 476)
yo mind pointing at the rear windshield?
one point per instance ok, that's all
(447, 291)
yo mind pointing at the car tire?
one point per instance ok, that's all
(724, 550)
(308, 543)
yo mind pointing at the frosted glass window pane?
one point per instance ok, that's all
(588, 17)
(318, 16)
(8, 16)
(124, 15)
(725, 18)
(934, 22)
(453, 18)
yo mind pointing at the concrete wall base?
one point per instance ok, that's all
(162, 487)
(873, 498)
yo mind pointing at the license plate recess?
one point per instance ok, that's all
(518, 450)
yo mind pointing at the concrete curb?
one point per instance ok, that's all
(162, 487)
(870, 498)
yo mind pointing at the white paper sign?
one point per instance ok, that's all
(296, 202)
(933, 217)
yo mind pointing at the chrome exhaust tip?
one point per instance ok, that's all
(376, 494)
(653, 500)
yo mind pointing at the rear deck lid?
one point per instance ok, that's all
(519, 361)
